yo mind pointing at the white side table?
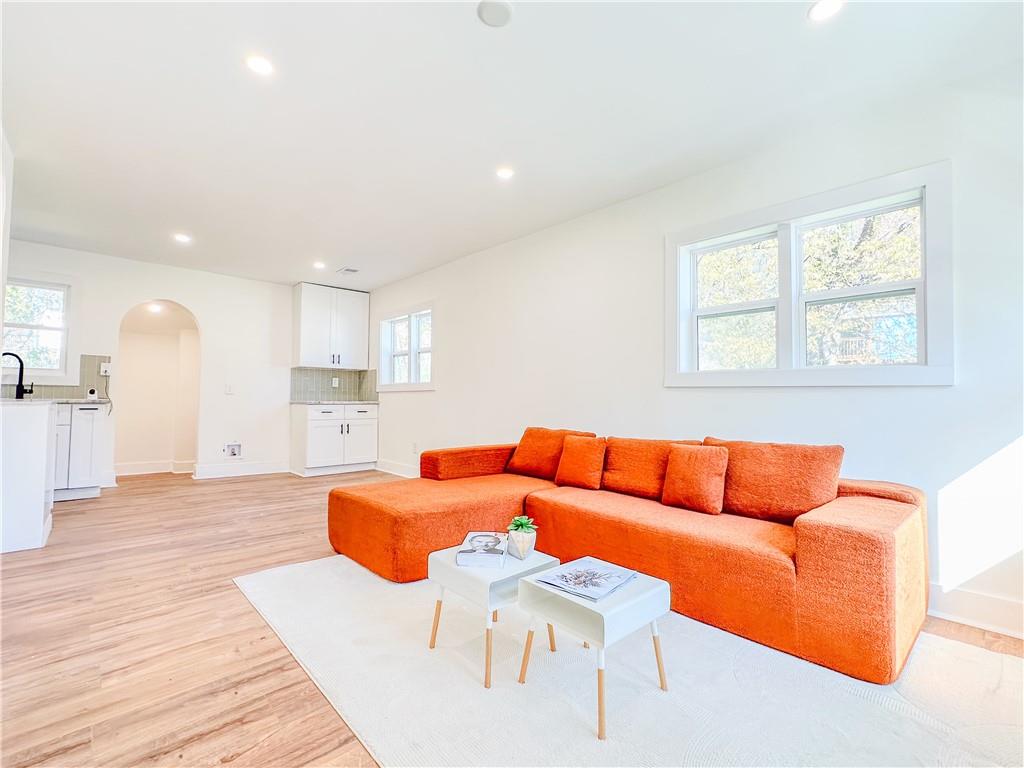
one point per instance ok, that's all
(489, 588)
(600, 623)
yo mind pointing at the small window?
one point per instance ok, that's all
(35, 324)
(405, 350)
(850, 287)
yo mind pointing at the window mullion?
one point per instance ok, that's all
(785, 324)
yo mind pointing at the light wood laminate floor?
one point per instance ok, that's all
(126, 643)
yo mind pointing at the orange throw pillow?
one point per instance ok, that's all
(538, 452)
(637, 467)
(695, 478)
(582, 462)
(779, 481)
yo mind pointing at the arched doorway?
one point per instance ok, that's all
(156, 390)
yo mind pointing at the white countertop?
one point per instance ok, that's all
(334, 402)
(58, 400)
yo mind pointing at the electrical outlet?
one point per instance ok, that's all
(228, 389)
(233, 450)
(334, 382)
(415, 449)
(104, 369)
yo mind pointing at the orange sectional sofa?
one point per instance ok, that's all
(842, 583)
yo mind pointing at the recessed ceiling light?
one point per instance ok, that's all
(505, 172)
(824, 9)
(155, 308)
(181, 237)
(494, 13)
(319, 265)
(260, 65)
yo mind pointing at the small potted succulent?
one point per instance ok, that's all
(522, 537)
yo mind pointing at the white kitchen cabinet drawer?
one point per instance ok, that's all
(319, 412)
(361, 411)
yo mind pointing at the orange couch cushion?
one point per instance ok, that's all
(734, 572)
(779, 481)
(390, 528)
(469, 461)
(637, 467)
(582, 462)
(538, 452)
(695, 478)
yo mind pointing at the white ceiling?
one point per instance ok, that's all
(374, 144)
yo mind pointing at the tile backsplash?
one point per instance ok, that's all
(316, 384)
(89, 376)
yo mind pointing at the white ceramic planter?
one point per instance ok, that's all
(521, 543)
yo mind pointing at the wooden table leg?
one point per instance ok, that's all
(494, 616)
(437, 619)
(657, 655)
(526, 656)
(487, 654)
(600, 695)
(551, 637)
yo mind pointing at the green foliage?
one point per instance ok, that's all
(882, 248)
(746, 272)
(522, 523)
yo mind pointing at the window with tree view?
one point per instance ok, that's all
(405, 345)
(837, 288)
(35, 324)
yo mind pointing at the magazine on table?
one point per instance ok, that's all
(483, 549)
(587, 577)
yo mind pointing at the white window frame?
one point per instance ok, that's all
(61, 370)
(934, 289)
(387, 354)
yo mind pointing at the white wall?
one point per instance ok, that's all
(565, 328)
(7, 191)
(245, 344)
(156, 389)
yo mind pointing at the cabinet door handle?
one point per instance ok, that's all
(348, 428)
(94, 408)
(342, 428)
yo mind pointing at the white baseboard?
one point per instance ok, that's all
(341, 469)
(238, 469)
(395, 468)
(994, 613)
(182, 467)
(142, 467)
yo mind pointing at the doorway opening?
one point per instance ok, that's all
(157, 390)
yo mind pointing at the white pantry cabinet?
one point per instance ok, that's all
(331, 327)
(333, 438)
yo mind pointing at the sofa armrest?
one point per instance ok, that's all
(882, 490)
(471, 461)
(862, 579)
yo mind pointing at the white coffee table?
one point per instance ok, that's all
(600, 623)
(488, 588)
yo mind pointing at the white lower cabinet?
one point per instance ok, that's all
(325, 443)
(327, 439)
(78, 449)
(361, 441)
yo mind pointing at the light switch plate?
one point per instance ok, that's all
(334, 382)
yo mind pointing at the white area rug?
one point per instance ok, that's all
(363, 640)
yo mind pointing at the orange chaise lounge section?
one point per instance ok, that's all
(842, 582)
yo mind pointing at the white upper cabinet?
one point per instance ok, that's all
(331, 327)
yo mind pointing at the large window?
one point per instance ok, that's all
(848, 287)
(405, 351)
(35, 324)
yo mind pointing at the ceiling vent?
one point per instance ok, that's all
(347, 271)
